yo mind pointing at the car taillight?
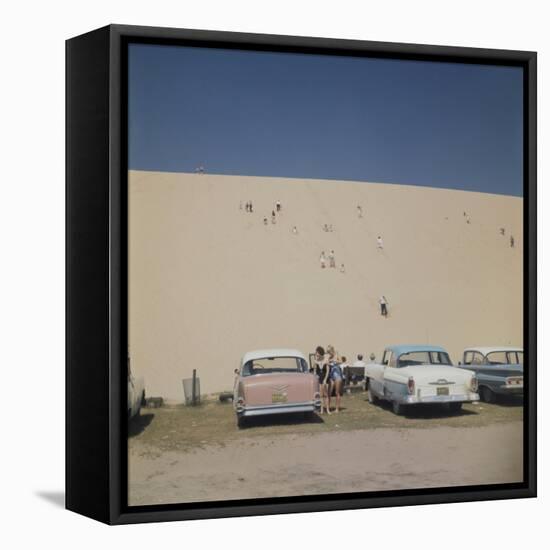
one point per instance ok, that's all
(514, 380)
(410, 385)
(473, 384)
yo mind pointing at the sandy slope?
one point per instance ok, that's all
(209, 281)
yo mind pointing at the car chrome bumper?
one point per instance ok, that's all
(458, 398)
(510, 389)
(282, 408)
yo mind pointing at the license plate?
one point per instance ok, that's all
(442, 391)
(278, 398)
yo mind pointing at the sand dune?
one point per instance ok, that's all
(209, 281)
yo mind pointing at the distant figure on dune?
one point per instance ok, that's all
(383, 306)
(502, 231)
(251, 208)
(323, 260)
(331, 259)
(278, 206)
(273, 217)
(379, 243)
(342, 269)
(359, 211)
(330, 228)
(512, 242)
(265, 221)
(199, 169)
(295, 230)
(325, 228)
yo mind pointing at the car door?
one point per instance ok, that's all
(376, 373)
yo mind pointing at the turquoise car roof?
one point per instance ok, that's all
(406, 348)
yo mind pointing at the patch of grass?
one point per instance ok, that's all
(214, 423)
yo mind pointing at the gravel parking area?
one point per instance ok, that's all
(189, 454)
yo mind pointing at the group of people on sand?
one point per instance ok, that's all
(331, 261)
(329, 369)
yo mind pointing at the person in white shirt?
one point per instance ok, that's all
(379, 242)
(323, 259)
(332, 259)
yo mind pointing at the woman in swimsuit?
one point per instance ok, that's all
(336, 378)
(322, 371)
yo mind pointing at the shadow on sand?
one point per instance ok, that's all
(282, 420)
(428, 411)
(509, 400)
(139, 423)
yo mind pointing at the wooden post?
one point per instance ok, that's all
(194, 390)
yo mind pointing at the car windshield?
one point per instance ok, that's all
(423, 358)
(269, 365)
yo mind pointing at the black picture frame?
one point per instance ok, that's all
(96, 301)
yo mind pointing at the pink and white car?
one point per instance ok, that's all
(274, 381)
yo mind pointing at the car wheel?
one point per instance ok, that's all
(455, 407)
(397, 408)
(487, 394)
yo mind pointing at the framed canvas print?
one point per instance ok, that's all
(300, 274)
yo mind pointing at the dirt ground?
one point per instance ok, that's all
(187, 454)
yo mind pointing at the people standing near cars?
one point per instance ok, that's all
(322, 372)
(346, 375)
(336, 378)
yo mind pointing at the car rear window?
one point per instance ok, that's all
(270, 365)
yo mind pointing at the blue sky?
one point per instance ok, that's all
(310, 116)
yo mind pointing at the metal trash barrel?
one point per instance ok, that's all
(192, 390)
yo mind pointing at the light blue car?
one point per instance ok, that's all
(416, 374)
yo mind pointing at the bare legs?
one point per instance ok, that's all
(335, 385)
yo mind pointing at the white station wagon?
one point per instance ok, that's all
(412, 375)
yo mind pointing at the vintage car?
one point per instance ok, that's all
(412, 375)
(499, 370)
(274, 381)
(136, 393)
